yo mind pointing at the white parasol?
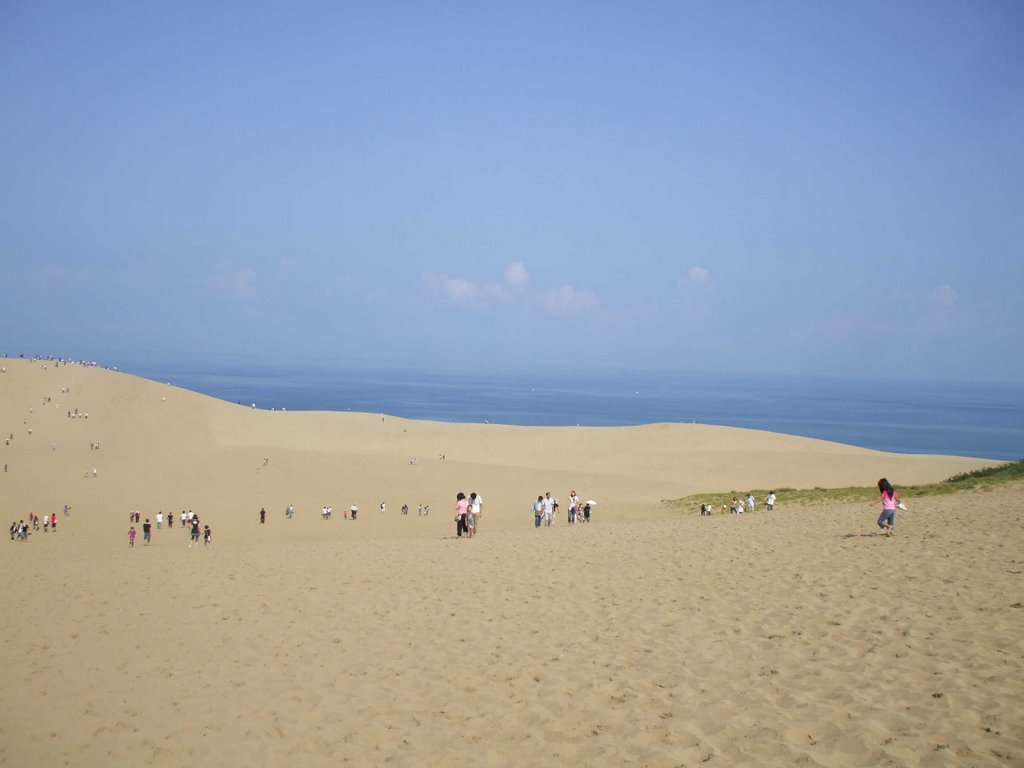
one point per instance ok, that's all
(591, 502)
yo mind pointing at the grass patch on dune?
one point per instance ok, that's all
(979, 480)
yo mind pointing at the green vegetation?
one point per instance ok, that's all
(988, 476)
(979, 480)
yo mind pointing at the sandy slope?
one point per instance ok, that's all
(646, 638)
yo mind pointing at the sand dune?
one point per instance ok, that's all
(645, 638)
(164, 447)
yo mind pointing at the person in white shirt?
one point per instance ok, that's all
(549, 509)
(476, 503)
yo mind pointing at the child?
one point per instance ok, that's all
(890, 499)
(131, 536)
(207, 536)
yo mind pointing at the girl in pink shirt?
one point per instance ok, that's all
(887, 520)
(461, 508)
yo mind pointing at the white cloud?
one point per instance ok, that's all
(468, 293)
(699, 275)
(461, 291)
(481, 295)
(516, 275)
(944, 296)
(569, 299)
(696, 277)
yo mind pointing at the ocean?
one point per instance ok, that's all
(963, 419)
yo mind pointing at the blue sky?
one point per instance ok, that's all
(779, 187)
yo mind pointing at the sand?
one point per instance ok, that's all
(648, 637)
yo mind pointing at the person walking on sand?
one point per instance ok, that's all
(207, 536)
(476, 504)
(769, 502)
(890, 499)
(147, 532)
(193, 536)
(538, 511)
(131, 536)
(461, 510)
(263, 515)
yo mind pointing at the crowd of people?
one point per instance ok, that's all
(352, 513)
(545, 508)
(20, 530)
(738, 506)
(189, 523)
(468, 514)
